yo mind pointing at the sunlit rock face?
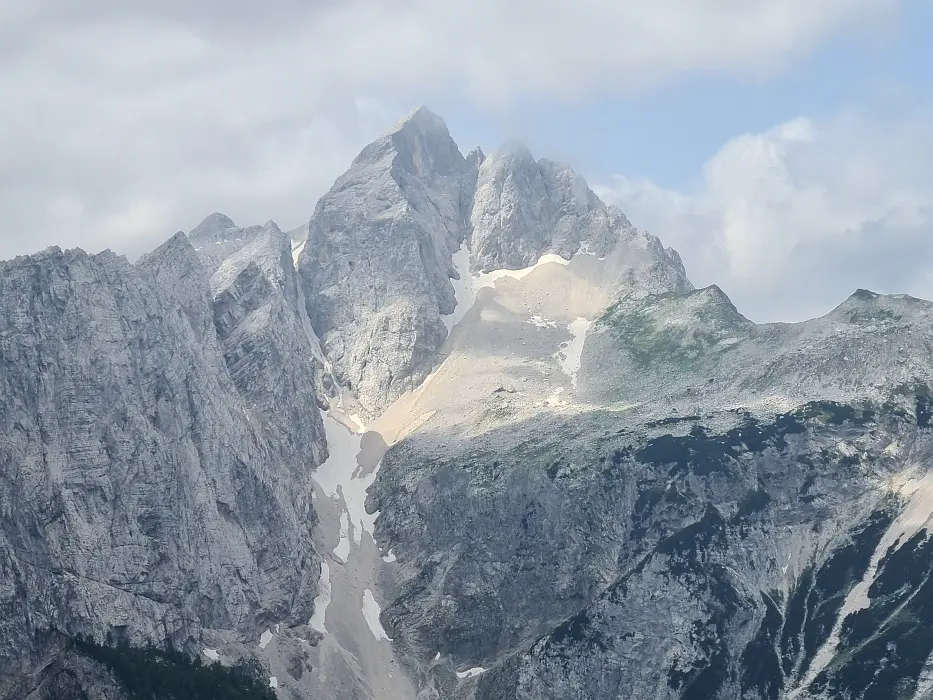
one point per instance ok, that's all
(467, 433)
(143, 497)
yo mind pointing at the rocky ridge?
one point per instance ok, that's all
(379, 264)
(552, 468)
(131, 463)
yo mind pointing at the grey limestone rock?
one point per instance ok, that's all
(271, 351)
(616, 556)
(377, 265)
(637, 493)
(139, 498)
(525, 208)
(217, 238)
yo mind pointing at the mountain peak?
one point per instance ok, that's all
(864, 305)
(271, 226)
(212, 225)
(477, 156)
(513, 150)
(420, 118)
(419, 144)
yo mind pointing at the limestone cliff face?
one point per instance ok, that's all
(271, 351)
(606, 484)
(605, 558)
(376, 267)
(525, 208)
(217, 238)
(718, 510)
(141, 497)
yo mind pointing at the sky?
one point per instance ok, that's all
(784, 147)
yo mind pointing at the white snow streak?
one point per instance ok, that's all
(371, 612)
(265, 638)
(542, 322)
(469, 673)
(467, 287)
(296, 251)
(464, 292)
(918, 514)
(342, 550)
(322, 601)
(570, 355)
(339, 480)
(488, 279)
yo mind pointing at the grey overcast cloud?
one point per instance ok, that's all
(123, 122)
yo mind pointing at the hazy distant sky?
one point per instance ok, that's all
(785, 147)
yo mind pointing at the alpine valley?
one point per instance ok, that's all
(468, 434)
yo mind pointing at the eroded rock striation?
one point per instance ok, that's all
(143, 498)
(551, 468)
(376, 267)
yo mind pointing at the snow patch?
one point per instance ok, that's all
(211, 654)
(342, 550)
(343, 446)
(488, 279)
(273, 682)
(570, 354)
(296, 251)
(585, 250)
(469, 673)
(542, 322)
(354, 496)
(467, 287)
(389, 557)
(338, 478)
(322, 601)
(265, 638)
(360, 426)
(371, 612)
(437, 656)
(917, 515)
(464, 291)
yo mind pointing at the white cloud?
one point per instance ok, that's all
(125, 121)
(792, 220)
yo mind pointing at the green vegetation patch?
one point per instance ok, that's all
(648, 340)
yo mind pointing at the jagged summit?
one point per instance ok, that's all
(715, 295)
(524, 208)
(420, 118)
(218, 237)
(270, 225)
(864, 299)
(525, 458)
(379, 260)
(419, 145)
(866, 307)
(177, 257)
(476, 157)
(512, 149)
(213, 225)
(270, 249)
